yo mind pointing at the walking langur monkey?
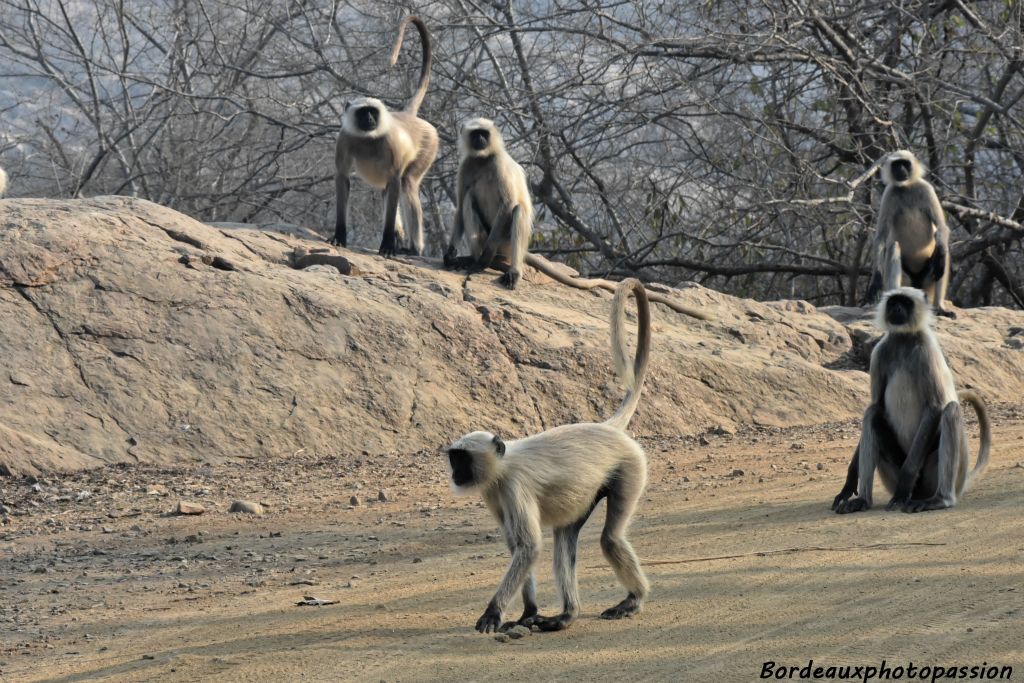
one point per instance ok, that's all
(914, 428)
(494, 213)
(911, 235)
(555, 479)
(391, 151)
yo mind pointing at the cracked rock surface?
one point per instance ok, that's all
(132, 333)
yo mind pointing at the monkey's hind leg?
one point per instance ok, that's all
(412, 215)
(949, 463)
(878, 447)
(622, 501)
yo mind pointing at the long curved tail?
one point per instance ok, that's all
(543, 265)
(986, 435)
(632, 377)
(428, 57)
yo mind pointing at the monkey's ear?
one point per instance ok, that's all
(499, 446)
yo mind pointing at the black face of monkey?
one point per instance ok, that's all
(898, 309)
(462, 467)
(479, 139)
(900, 170)
(366, 118)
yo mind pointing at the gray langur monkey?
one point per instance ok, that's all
(391, 151)
(556, 479)
(911, 235)
(494, 213)
(913, 431)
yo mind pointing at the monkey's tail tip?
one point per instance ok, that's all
(985, 427)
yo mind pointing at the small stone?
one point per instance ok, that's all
(246, 507)
(820, 465)
(737, 473)
(796, 446)
(970, 630)
(417, 560)
(383, 496)
(502, 637)
(107, 530)
(704, 441)
(354, 501)
(518, 631)
(185, 508)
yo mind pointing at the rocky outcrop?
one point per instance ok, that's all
(132, 333)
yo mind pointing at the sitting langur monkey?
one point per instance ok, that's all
(555, 479)
(911, 235)
(493, 206)
(494, 212)
(391, 151)
(914, 428)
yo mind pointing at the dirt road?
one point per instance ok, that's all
(108, 587)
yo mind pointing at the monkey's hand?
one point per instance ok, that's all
(339, 240)
(511, 279)
(843, 496)
(938, 261)
(450, 256)
(871, 296)
(490, 620)
(852, 505)
(388, 245)
(899, 501)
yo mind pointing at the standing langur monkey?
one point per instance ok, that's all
(911, 235)
(391, 151)
(555, 479)
(494, 212)
(914, 428)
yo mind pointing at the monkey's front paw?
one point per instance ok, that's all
(388, 248)
(489, 621)
(450, 258)
(511, 279)
(338, 240)
(899, 501)
(852, 505)
(945, 313)
(933, 503)
(840, 499)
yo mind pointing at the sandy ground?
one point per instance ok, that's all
(746, 567)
